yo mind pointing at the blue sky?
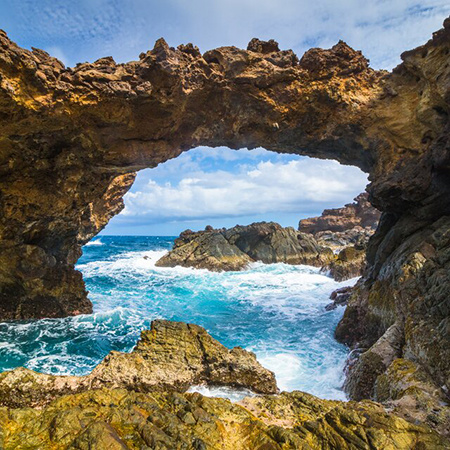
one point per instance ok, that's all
(222, 187)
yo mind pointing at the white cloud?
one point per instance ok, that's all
(266, 187)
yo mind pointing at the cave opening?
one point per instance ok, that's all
(276, 310)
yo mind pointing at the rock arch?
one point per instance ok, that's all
(71, 140)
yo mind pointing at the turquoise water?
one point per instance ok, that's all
(276, 310)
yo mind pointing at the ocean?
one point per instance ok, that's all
(276, 311)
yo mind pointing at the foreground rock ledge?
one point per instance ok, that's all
(119, 419)
(135, 401)
(169, 356)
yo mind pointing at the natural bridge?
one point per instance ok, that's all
(71, 140)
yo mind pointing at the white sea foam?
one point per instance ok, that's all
(94, 242)
(324, 380)
(275, 310)
(235, 395)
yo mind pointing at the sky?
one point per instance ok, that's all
(223, 187)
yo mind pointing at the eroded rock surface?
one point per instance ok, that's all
(353, 224)
(349, 263)
(119, 419)
(170, 356)
(235, 248)
(72, 138)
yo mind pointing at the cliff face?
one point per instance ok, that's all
(71, 140)
(360, 214)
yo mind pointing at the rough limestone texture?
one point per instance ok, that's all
(72, 138)
(235, 248)
(117, 419)
(169, 356)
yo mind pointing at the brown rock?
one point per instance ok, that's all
(350, 263)
(71, 139)
(170, 356)
(116, 419)
(235, 248)
(352, 224)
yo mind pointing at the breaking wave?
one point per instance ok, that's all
(276, 311)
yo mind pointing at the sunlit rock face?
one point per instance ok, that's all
(171, 356)
(354, 223)
(72, 138)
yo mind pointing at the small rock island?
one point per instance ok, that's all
(335, 241)
(235, 248)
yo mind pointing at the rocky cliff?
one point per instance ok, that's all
(352, 224)
(235, 248)
(72, 138)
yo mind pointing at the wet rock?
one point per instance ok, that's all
(171, 355)
(340, 297)
(235, 248)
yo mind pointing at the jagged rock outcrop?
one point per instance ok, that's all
(135, 401)
(169, 356)
(72, 138)
(353, 224)
(340, 297)
(349, 263)
(235, 248)
(117, 419)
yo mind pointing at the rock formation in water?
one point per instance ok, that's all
(72, 138)
(169, 356)
(235, 248)
(352, 224)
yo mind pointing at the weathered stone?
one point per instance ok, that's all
(235, 248)
(358, 214)
(118, 419)
(171, 355)
(71, 139)
(411, 291)
(409, 392)
(340, 297)
(350, 263)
